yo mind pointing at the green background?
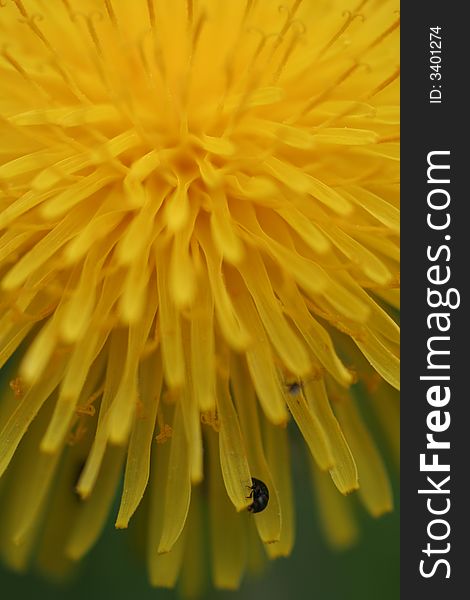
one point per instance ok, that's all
(368, 571)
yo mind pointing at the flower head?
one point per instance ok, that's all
(198, 241)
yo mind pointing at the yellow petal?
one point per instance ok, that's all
(374, 485)
(177, 488)
(278, 456)
(260, 359)
(268, 522)
(381, 357)
(344, 470)
(227, 559)
(311, 429)
(233, 459)
(138, 454)
(93, 513)
(336, 512)
(22, 417)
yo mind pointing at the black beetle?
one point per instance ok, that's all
(294, 388)
(260, 495)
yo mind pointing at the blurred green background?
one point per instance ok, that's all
(368, 571)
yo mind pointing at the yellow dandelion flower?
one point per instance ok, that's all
(198, 242)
